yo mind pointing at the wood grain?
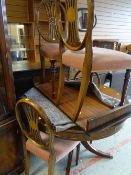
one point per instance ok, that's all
(93, 112)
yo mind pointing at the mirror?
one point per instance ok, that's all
(82, 19)
(18, 37)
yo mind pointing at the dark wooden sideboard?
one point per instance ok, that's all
(9, 152)
(109, 44)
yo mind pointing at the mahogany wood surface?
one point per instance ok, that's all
(9, 150)
(5, 58)
(92, 109)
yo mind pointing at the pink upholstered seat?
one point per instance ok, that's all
(103, 59)
(62, 148)
(50, 50)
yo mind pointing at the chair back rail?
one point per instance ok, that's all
(72, 41)
(28, 115)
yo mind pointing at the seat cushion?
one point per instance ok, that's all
(61, 147)
(103, 59)
(50, 50)
(58, 119)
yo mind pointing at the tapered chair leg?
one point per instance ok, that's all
(77, 153)
(27, 162)
(61, 84)
(51, 164)
(42, 59)
(26, 156)
(53, 61)
(69, 163)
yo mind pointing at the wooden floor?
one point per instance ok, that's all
(92, 108)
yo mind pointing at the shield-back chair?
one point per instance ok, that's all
(42, 144)
(50, 49)
(94, 119)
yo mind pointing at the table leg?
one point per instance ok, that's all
(95, 151)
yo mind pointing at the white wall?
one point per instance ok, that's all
(113, 20)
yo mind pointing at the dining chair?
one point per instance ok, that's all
(50, 49)
(81, 54)
(96, 111)
(95, 119)
(42, 144)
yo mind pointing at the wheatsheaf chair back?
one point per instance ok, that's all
(48, 37)
(72, 41)
(28, 115)
(38, 136)
(49, 7)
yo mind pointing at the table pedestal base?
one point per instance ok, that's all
(95, 151)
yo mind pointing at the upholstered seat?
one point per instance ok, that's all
(50, 51)
(41, 141)
(103, 59)
(59, 148)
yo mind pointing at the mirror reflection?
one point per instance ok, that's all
(82, 19)
(17, 39)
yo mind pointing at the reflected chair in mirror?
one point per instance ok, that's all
(95, 119)
(50, 48)
(42, 144)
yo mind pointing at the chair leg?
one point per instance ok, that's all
(69, 163)
(61, 84)
(77, 153)
(51, 164)
(125, 86)
(26, 156)
(53, 61)
(42, 59)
